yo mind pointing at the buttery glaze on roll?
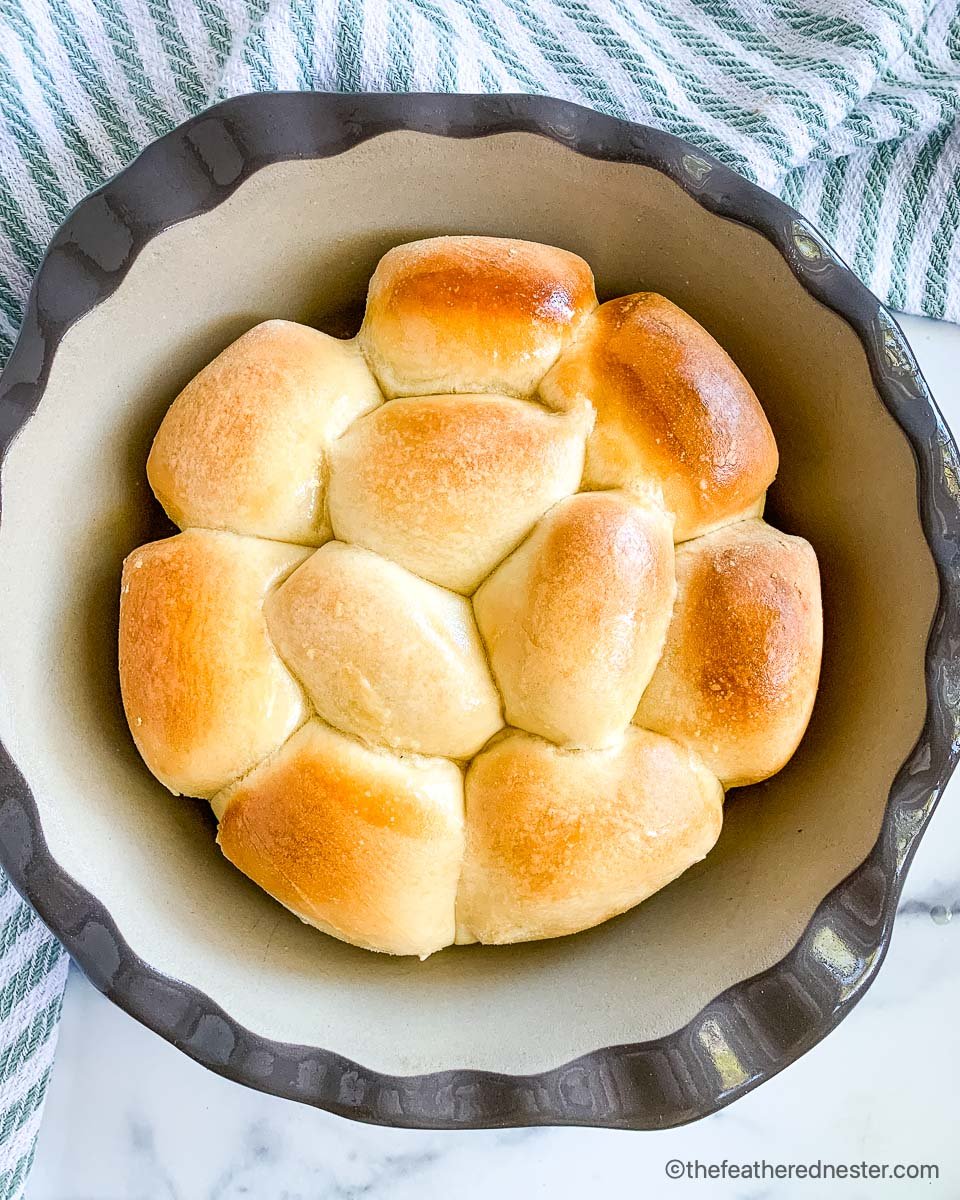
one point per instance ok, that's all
(472, 662)
(243, 447)
(205, 693)
(363, 844)
(672, 410)
(739, 672)
(560, 840)
(472, 314)
(574, 620)
(448, 485)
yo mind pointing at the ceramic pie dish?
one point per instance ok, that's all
(279, 206)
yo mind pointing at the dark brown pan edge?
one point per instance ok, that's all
(767, 1021)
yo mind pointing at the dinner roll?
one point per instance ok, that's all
(363, 844)
(243, 446)
(672, 408)
(205, 694)
(472, 314)
(575, 619)
(447, 485)
(385, 655)
(739, 671)
(559, 840)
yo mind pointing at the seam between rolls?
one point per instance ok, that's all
(310, 710)
(244, 775)
(737, 520)
(255, 537)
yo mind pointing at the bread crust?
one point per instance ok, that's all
(448, 485)
(672, 409)
(243, 447)
(559, 840)
(363, 844)
(740, 668)
(574, 620)
(472, 314)
(205, 693)
(384, 655)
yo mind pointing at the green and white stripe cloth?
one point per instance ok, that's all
(846, 108)
(33, 970)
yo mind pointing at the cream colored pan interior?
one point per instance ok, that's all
(299, 240)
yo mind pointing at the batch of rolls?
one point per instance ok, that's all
(472, 618)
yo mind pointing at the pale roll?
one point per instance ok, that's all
(385, 655)
(448, 485)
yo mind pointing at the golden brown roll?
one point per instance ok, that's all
(205, 694)
(672, 408)
(472, 314)
(385, 655)
(243, 446)
(363, 844)
(739, 671)
(575, 619)
(560, 840)
(447, 485)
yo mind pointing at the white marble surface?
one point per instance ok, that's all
(130, 1118)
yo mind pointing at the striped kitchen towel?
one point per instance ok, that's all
(33, 970)
(846, 108)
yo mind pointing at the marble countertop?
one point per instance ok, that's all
(130, 1118)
